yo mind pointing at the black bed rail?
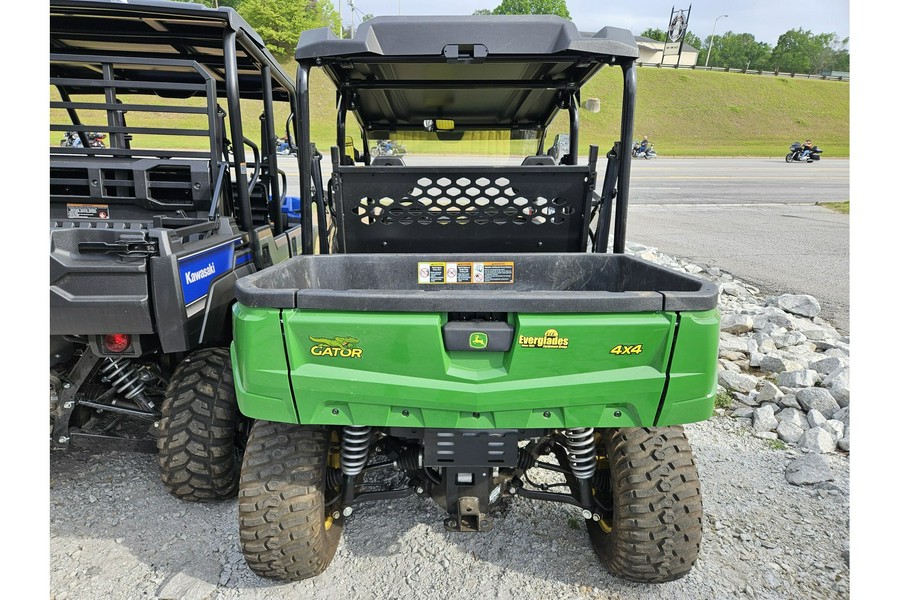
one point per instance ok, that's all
(128, 153)
(136, 176)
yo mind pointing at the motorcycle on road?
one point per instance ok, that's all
(387, 148)
(71, 140)
(796, 154)
(647, 152)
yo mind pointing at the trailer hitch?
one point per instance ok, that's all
(468, 517)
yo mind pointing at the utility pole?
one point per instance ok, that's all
(712, 38)
(352, 8)
(341, 18)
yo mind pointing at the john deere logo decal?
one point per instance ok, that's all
(550, 339)
(478, 340)
(342, 347)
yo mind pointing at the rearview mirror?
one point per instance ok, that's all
(591, 105)
(439, 124)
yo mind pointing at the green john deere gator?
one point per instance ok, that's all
(464, 324)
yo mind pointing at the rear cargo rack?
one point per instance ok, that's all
(133, 177)
(117, 76)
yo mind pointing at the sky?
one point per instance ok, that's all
(765, 19)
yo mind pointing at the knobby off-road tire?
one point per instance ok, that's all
(284, 530)
(199, 431)
(653, 534)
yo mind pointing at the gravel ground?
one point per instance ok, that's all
(115, 533)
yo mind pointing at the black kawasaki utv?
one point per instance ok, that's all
(149, 234)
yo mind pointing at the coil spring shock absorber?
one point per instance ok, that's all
(355, 444)
(126, 380)
(583, 463)
(582, 452)
(355, 449)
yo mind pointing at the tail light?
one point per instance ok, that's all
(116, 342)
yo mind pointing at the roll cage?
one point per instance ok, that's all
(478, 72)
(173, 51)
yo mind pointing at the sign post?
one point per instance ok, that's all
(678, 26)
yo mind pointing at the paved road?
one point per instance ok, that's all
(738, 181)
(753, 217)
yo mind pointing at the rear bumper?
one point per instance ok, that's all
(398, 374)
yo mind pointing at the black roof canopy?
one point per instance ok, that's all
(158, 29)
(480, 71)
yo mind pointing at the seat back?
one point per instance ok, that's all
(388, 161)
(538, 161)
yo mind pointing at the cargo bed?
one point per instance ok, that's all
(539, 283)
(475, 341)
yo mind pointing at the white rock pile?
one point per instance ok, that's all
(784, 371)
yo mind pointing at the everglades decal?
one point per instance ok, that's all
(623, 349)
(550, 339)
(342, 347)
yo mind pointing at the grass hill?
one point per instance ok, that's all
(702, 113)
(684, 113)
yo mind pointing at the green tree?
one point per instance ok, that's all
(836, 56)
(802, 51)
(840, 59)
(655, 33)
(215, 3)
(280, 22)
(692, 40)
(738, 51)
(483, 12)
(660, 35)
(533, 7)
(793, 50)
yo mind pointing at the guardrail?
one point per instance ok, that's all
(749, 71)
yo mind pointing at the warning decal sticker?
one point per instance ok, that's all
(465, 272)
(87, 211)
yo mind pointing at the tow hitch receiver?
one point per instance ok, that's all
(468, 517)
(467, 496)
(468, 459)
